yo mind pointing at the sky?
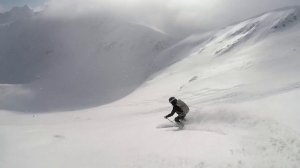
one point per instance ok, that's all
(176, 17)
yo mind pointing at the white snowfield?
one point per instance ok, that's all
(241, 83)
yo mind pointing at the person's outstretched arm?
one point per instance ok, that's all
(171, 114)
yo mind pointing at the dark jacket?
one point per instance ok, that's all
(177, 110)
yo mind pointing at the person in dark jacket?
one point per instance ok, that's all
(179, 107)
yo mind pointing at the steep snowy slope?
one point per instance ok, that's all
(242, 84)
(243, 88)
(248, 61)
(67, 63)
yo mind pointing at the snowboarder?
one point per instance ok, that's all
(180, 108)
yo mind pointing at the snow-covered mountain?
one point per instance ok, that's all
(241, 83)
(15, 14)
(256, 47)
(65, 63)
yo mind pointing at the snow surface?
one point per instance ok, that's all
(241, 83)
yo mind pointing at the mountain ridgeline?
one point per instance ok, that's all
(50, 64)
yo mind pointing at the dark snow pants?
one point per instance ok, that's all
(178, 118)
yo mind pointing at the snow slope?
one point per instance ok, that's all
(241, 83)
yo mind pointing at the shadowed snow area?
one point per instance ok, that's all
(241, 83)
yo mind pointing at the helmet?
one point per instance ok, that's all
(171, 99)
